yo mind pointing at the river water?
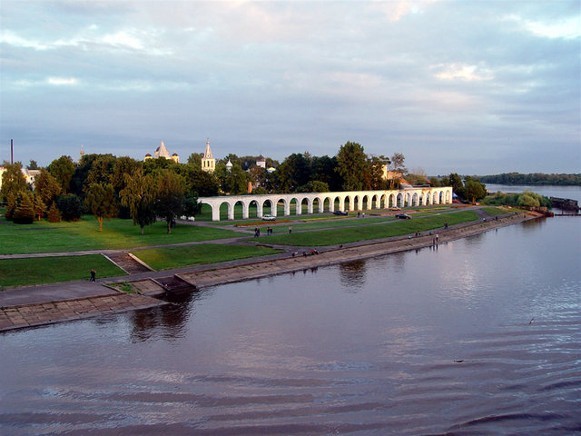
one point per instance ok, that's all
(478, 336)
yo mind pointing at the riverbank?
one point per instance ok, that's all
(42, 305)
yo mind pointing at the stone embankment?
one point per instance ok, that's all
(77, 301)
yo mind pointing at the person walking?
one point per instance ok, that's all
(93, 275)
(290, 229)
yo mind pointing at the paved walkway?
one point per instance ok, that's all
(38, 305)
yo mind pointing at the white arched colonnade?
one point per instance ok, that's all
(319, 202)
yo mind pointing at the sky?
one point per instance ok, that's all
(473, 87)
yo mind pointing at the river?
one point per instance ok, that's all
(478, 336)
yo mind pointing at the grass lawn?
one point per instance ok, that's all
(363, 231)
(31, 271)
(175, 257)
(45, 237)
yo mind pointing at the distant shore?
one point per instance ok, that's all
(73, 301)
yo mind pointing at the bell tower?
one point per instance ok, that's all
(208, 161)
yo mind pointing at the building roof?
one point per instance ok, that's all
(208, 151)
(161, 151)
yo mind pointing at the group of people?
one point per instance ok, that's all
(257, 231)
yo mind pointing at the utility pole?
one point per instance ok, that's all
(12, 151)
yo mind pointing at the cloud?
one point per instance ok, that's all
(567, 28)
(468, 73)
(437, 80)
(62, 81)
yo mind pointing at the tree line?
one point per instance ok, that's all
(534, 179)
(108, 186)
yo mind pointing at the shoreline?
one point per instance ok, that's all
(81, 300)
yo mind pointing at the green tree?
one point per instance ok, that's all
(24, 212)
(474, 190)
(32, 165)
(47, 187)
(376, 172)
(70, 207)
(528, 200)
(13, 181)
(192, 206)
(235, 180)
(63, 170)
(202, 182)
(352, 166)
(323, 169)
(139, 196)
(100, 200)
(195, 159)
(54, 214)
(39, 206)
(294, 172)
(101, 171)
(455, 181)
(171, 189)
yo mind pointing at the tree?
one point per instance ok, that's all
(192, 206)
(204, 183)
(170, 196)
(352, 166)
(397, 163)
(101, 171)
(455, 181)
(70, 207)
(294, 172)
(47, 187)
(32, 165)
(528, 200)
(39, 206)
(13, 181)
(24, 212)
(100, 200)
(53, 215)
(474, 190)
(323, 169)
(139, 196)
(235, 181)
(376, 172)
(195, 159)
(63, 170)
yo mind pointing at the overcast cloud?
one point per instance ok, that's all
(475, 87)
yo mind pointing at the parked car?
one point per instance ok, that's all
(268, 218)
(403, 216)
(340, 212)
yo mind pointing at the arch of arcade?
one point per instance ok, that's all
(319, 202)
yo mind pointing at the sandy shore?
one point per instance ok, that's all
(43, 308)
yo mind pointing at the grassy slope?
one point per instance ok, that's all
(45, 237)
(19, 272)
(361, 230)
(175, 257)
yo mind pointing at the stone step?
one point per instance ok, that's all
(127, 263)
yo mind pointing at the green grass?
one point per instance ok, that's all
(45, 237)
(175, 257)
(494, 211)
(31, 271)
(364, 231)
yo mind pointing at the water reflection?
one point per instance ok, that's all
(171, 320)
(480, 337)
(352, 275)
